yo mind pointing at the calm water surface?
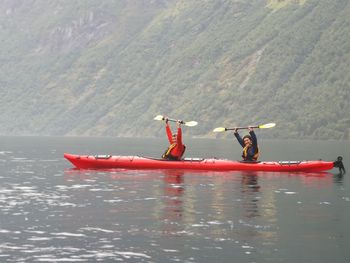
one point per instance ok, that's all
(53, 213)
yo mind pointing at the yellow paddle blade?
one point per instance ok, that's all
(159, 118)
(267, 125)
(187, 123)
(191, 123)
(219, 129)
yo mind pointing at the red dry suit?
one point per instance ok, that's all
(176, 148)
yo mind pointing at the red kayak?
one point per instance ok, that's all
(137, 162)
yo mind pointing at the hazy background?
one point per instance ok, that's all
(106, 68)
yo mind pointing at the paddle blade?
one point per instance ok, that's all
(159, 118)
(267, 125)
(219, 129)
(191, 123)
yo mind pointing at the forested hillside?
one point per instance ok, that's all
(106, 68)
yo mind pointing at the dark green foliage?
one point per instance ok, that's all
(108, 67)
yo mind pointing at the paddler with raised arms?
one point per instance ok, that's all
(176, 147)
(249, 144)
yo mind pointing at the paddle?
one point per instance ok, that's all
(264, 126)
(187, 123)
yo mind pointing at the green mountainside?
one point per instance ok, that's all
(106, 68)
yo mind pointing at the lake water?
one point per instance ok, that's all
(53, 213)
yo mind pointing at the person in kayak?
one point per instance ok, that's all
(249, 144)
(176, 148)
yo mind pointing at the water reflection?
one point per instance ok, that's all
(338, 178)
(250, 188)
(173, 209)
(231, 210)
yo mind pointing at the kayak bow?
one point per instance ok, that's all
(137, 162)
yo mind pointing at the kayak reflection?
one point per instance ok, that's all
(213, 205)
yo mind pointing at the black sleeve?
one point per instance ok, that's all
(239, 139)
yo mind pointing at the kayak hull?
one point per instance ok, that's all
(137, 162)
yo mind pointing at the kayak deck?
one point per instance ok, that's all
(137, 162)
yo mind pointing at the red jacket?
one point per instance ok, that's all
(177, 148)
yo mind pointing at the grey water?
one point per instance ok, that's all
(50, 212)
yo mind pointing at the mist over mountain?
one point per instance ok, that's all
(107, 68)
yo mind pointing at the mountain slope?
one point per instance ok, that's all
(107, 68)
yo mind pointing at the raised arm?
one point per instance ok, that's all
(238, 137)
(179, 133)
(254, 139)
(168, 131)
